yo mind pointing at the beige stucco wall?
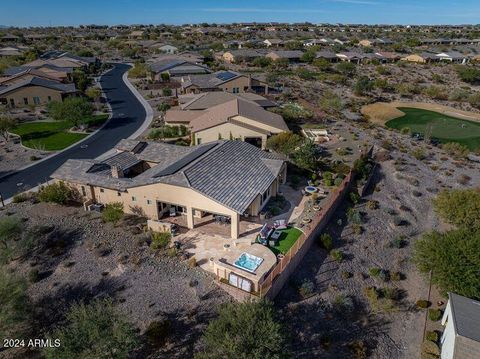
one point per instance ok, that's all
(263, 126)
(228, 57)
(238, 132)
(30, 92)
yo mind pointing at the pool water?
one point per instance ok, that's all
(248, 262)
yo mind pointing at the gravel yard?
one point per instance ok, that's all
(84, 258)
(15, 156)
(337, 314)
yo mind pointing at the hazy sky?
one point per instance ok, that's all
(68, 12)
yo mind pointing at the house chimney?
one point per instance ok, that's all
(117, 172)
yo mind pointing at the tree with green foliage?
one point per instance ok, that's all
(80, 79)
(13, 304)
(306, 156)
(346, 68)
(469, 74)
(322, 64)
(284, 142)
(73, 109)
(456, 150)
(57, 192)
(309, 56)
(245, 330)
(331, 103)
(363, 85)
(139, 70)
(294, 112)
(93, 330)
(262, 62)
(453, 259)
(459, 207)
(113, 212)
(94, 93)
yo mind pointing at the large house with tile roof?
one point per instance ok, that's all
(228, 178)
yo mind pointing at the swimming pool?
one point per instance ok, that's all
(248, 262)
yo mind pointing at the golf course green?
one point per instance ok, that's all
(444, 128)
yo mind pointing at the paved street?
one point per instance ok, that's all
(128, 116)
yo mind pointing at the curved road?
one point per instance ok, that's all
(128, 115)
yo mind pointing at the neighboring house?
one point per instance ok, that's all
(461, 338)
(168, 49)
(273, 42)
(229, 178)
(247, 55)
(11, 51)
(9, 38)
(136, 35)
(27, 74)
(329, 56)
(35, 91)
(375, 42)
(176, 68)
(293, 56)
(313, 42)
(206, 100)
(423, 58)
(63, 74)
(351, 56)
(453, 56)
(228, 81)
(385, 57)
(237, 119)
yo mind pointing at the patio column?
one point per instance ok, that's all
(234, 225)
(190, 223)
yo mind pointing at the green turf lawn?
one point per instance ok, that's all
(445, 128)
(287, 240)
(52, 135)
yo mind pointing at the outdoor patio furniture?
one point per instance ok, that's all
(265, 234)
(280, 224)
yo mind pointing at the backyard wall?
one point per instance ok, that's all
(280, 274)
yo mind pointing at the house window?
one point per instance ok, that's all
(134, 199)
(236, 90)
(12, 102)
(49, 98)
(199, 141)
(36, 100)
(119, 194)
(149, 202)
(84, 193)
(102, 190)
(25, 101)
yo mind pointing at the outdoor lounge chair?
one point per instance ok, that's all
(280, 224)
(265, 234)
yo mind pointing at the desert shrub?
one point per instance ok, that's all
(357, 228)
(14, 304)
(57, 192)
(90, 330)
(306, 288)
(358, 349)
(432, 336)
(430, 348)
(337, 255)
(354, 216)
(157, 332)
(11, 230)
(399, 221)
(434, 314)
(326, 241)
(167, 92)
(346, 275)
(160, 240)
(354, 197)
(422, 303)
(469, 74)
(172, 252)
(435, 92)
(338, 181)
(21, 197)
(458, 94)
(113, 212)
(390, 293)
(456, 150)
(34, 276)
(418, 153)
(374, 272)
(247, 323)
(398, 242)
(459, 207)
(192, 262)
(396, 276)
(285, 142)
(384, 275)
(464, 179)
(343, 304)
(372, 204)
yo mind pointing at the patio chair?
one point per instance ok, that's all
(280, 224)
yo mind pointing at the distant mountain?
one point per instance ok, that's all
(4, 27)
